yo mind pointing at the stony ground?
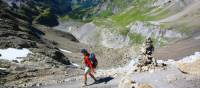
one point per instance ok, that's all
(168, 77)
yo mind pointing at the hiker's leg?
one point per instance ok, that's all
(85, 75)
(91, 75)
(85, 78)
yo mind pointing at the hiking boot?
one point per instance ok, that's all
(84, 84)
(96, 81)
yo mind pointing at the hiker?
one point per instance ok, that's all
(89, 68)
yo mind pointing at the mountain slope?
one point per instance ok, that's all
(16, 33)
(113, 29)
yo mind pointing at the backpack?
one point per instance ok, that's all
(93, 60)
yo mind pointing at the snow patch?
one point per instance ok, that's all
(190, 59)
(74, 64)
(14, 54)
(3, 68)
(65, 51)
(169, 61)
(197, 38)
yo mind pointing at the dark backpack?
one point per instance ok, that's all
(93, 60)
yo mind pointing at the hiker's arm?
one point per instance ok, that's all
(82, 64)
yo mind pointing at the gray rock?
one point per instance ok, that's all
(126, 83)
(19, 68)
(3, 72)
(55, 54)
(38, 84)
(154, 31)
(16, 61)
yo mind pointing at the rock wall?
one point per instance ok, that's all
(16, 32)
(150, 30)
(90, 34)
(179, 3)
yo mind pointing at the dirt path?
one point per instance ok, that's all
(105, 82)
(110, 78)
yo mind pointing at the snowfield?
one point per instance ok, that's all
(63, 50)
(13, 54)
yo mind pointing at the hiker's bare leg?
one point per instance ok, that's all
(85, 78)
(91, 75)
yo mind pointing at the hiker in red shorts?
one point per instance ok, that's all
(88, 66)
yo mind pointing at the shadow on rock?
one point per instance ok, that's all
(104, 80)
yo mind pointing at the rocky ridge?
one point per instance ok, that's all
(17, 32)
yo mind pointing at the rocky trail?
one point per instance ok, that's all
(167, 77)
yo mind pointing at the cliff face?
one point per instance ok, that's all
(15, 30)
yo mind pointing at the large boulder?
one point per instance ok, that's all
(55, 54)
(190, 64)
(144, 86)
(126, 83)
(190, 68)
